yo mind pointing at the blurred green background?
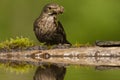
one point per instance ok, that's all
(84, 20)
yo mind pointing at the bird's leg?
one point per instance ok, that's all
(61, 46)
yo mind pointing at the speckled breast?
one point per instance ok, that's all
(47, 25)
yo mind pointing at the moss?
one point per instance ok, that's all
(81, 45)
(16, 67)
(16, 43)
(23, 43)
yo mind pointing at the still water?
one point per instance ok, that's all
(24, 71)
(48, 65)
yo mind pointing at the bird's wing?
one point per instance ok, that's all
(61, 29)
(34, 26)
(62, 32)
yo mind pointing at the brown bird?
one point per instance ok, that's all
(46, 27)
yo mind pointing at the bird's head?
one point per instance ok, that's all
(53, 9)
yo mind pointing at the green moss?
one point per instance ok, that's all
(16, 43)
(22, 43)
(16, 67)
(81, 45)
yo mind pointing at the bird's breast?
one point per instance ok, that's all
(47, 25)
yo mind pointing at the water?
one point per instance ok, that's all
(72, 73)
(24, 70)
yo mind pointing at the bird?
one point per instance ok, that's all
(47, 28)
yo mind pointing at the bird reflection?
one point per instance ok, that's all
(50, 72)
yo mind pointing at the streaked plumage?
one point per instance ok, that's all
(46, 27)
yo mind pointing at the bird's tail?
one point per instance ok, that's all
(67, 42)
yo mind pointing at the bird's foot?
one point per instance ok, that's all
(61, 46)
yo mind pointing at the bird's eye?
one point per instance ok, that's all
(49, 8)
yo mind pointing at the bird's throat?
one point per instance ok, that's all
(48, 24)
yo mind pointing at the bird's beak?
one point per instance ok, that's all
(61, 9)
